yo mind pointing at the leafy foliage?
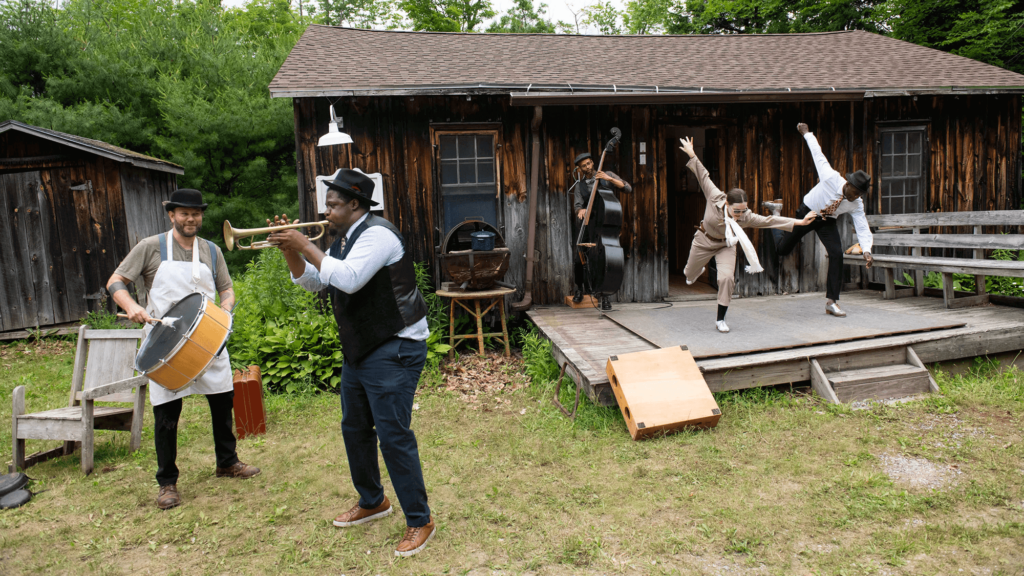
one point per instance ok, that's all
(523, 18)
(447, 15)
(284, 329)
(1000, 285)
(437, 321)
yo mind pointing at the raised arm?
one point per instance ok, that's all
(711, 192)
(825, 169)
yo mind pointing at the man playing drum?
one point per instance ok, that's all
(382, 326)
(172, 266)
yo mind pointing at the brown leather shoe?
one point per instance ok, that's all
(359, 515)
(415, 539)
(238, 470)
(168, 497)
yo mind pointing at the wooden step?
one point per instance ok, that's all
(879, 382)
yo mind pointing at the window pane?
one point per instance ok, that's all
(886, 207)
(899, 142)
(910, 205)
(467, 171)
(886, 166)
(899, 165)
(484, 146)
(915, 142)
(449, 172)
(913, 165)
(466, 146)
(911, 189)
(447, 146)
(485, 171)
(887, 143)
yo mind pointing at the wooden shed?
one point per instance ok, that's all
(937, 131)
(70, 210)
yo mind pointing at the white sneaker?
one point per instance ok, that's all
(774, 207)
(690, 282)
(722, 326)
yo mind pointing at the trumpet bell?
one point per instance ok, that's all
(232, 235)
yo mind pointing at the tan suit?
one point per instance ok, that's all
(710, 243)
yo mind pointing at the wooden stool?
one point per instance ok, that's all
(496, 296)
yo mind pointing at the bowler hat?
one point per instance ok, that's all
(581, 158)
(860, 180)
(185, 198)
(354, 184)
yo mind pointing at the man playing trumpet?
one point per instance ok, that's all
(382, 327)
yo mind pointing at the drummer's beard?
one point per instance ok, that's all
(180, 228)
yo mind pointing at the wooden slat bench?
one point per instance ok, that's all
(892, 232)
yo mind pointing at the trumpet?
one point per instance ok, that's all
(233, 235)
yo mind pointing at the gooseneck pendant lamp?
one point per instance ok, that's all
(334, 135)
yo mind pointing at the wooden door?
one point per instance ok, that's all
(32, 289)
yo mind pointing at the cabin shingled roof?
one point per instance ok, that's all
(93, 146)
(329, 60)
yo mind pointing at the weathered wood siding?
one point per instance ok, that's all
(68, 219)
(974, 165)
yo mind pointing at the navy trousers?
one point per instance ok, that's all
(828, 233)
(376, 404)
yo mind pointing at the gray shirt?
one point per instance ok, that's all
(583, 188)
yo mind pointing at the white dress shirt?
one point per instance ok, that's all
(829, 189)
(375, 248)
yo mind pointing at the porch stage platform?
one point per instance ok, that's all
(586, 338)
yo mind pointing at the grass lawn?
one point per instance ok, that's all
(784, 485)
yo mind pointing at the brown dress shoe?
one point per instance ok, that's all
(359, 515)
(168, 497)
(238, 470)
(415, 539)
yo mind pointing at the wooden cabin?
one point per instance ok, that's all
(938, 132)
(70, 210)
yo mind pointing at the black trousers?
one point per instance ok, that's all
(828, 232)
(579, 274)
(165, 433)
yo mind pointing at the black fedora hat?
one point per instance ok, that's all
(185, 198)
(354, 184)
(581, 158)
(860, 180)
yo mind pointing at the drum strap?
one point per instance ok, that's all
(213, 255)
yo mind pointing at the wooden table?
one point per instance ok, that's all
(495, 296)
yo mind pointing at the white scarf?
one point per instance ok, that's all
(734, 233)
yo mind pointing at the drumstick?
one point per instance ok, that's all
(169, 322)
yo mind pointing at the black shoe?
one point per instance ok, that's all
(605, 304)
(578, 296)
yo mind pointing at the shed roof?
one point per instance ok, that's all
(96, 147)
(336, 61)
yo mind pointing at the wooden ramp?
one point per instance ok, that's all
(586, 339)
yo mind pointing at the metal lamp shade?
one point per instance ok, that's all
(334, 136)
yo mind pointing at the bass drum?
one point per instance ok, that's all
(176, 356)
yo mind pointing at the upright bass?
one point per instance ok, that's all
(597, 245)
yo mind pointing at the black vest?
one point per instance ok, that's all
(386, 305)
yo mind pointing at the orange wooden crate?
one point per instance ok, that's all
(661, 391)
(250, 415)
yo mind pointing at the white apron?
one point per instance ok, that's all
(174, 281)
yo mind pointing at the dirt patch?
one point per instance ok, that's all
(36, 348)
(484, 381)
(918, 472)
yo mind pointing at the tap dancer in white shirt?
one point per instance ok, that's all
(832, 196)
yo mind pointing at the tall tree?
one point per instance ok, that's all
(447, 15)
(523, 18)
(646, 16)
(604, 16)
(358, 13)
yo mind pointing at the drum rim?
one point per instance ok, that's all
(186, 338)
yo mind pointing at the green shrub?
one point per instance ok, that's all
(539, 364)
(437, 321)
(283, 329)
(103, 319)
(1000, 285)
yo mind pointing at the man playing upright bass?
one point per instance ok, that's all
(382, 326)
(581, 197)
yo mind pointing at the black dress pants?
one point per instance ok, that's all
(828, 233)
(579, 273)
(165, 433)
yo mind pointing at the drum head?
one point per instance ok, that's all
(162, 340)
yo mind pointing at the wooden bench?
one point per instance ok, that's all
(893, 232)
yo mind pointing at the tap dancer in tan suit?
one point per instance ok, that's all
(709, 241)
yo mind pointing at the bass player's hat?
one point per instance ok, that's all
(581, 158)
(185, 198)
(355, 185)
(860, 180)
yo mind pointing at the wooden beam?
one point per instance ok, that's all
(981, 218)
(976, 241)
(1011, 268)
(913, 360)
(968, 301)
(820, 383)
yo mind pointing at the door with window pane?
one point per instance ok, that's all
(903, 170)
(468, 179)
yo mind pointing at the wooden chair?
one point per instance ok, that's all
(104, 372)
